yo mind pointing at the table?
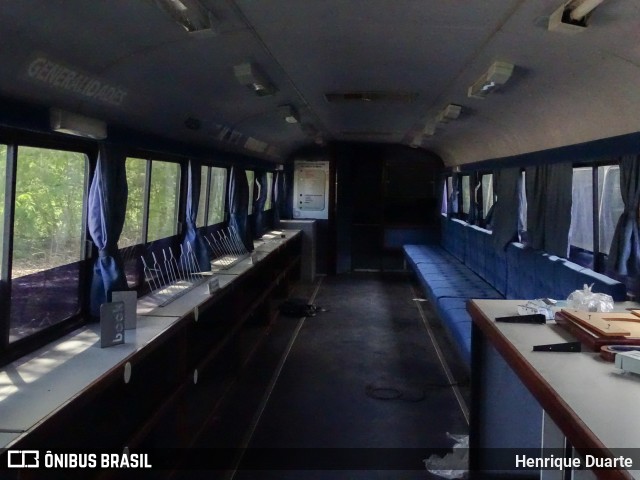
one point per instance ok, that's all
(527, 399)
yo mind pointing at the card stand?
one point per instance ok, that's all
(170, 278)
(227, 248)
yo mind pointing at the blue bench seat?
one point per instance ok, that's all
(467, 266)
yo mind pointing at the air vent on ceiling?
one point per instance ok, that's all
(372, 96)
(255, 145)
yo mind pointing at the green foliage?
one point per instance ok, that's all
(217, 191)
(163, 200)
(132, 231)
(48, 209)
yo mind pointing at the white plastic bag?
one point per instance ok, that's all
(452, 465)
(587, 301)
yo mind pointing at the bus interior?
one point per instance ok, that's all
(377, 164)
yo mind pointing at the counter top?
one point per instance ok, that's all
(42, 382)
(591, 400)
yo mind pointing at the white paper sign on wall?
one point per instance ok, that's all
(311, 189)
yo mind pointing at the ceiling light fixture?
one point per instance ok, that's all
(497, 75)
(192, 15)
(252, 76)
(429, 129)
(416, 141)
(572, 16)
(74, 124)
(450, 112)
(289, 113)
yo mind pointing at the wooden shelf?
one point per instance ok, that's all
(156, 407)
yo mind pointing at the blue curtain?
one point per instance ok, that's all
(258, 205)
(239, 205)
(504, 218)
(107, 205)
(281, 195)
(452, 203)
(192, 235)
(624, 254)
(549, 207)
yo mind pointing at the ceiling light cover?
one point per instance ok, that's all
(289, 113)
(497, 75)
(251, 75)
(190, 14)
(572, 16)
(450, 112)
(75, 124)
(429, 130)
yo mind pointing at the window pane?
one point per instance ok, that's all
(466, 194)
(48, 236)
(132, 232)
(163, 200)
(3, 174)
(487, 194)
(49, 207)
(444, 203)
(251, 181)
(267, 204)
(522, 207)
(611, 205)
(202, 202)
(217, 194)
(581, 229)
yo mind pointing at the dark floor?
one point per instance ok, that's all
(362, 377)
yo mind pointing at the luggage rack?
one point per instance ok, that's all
(228, 249)
(170, 278)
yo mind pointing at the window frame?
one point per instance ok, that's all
(444, 200)
(483, 196)
(10, 351)
(461, 195)
(269, 200)
(252, 190)
(179, 198)
(599, 258)
(223, 198)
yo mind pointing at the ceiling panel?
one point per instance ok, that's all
(565, 88)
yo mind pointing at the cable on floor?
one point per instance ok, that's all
(393, 393)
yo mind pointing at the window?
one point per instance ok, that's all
(133, 229)
(445, 194)
(217, 194)
(610, 204)
(522, 208)
(466, 194)
(268, 203)
(581, 229)
(251, 181)
(163, 200)
(202, 201)
(609, 208)
(487, 194)
(48, 235)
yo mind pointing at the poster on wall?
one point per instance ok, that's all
(311, 189)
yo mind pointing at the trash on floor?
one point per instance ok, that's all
(298, 307)
(454, 464)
